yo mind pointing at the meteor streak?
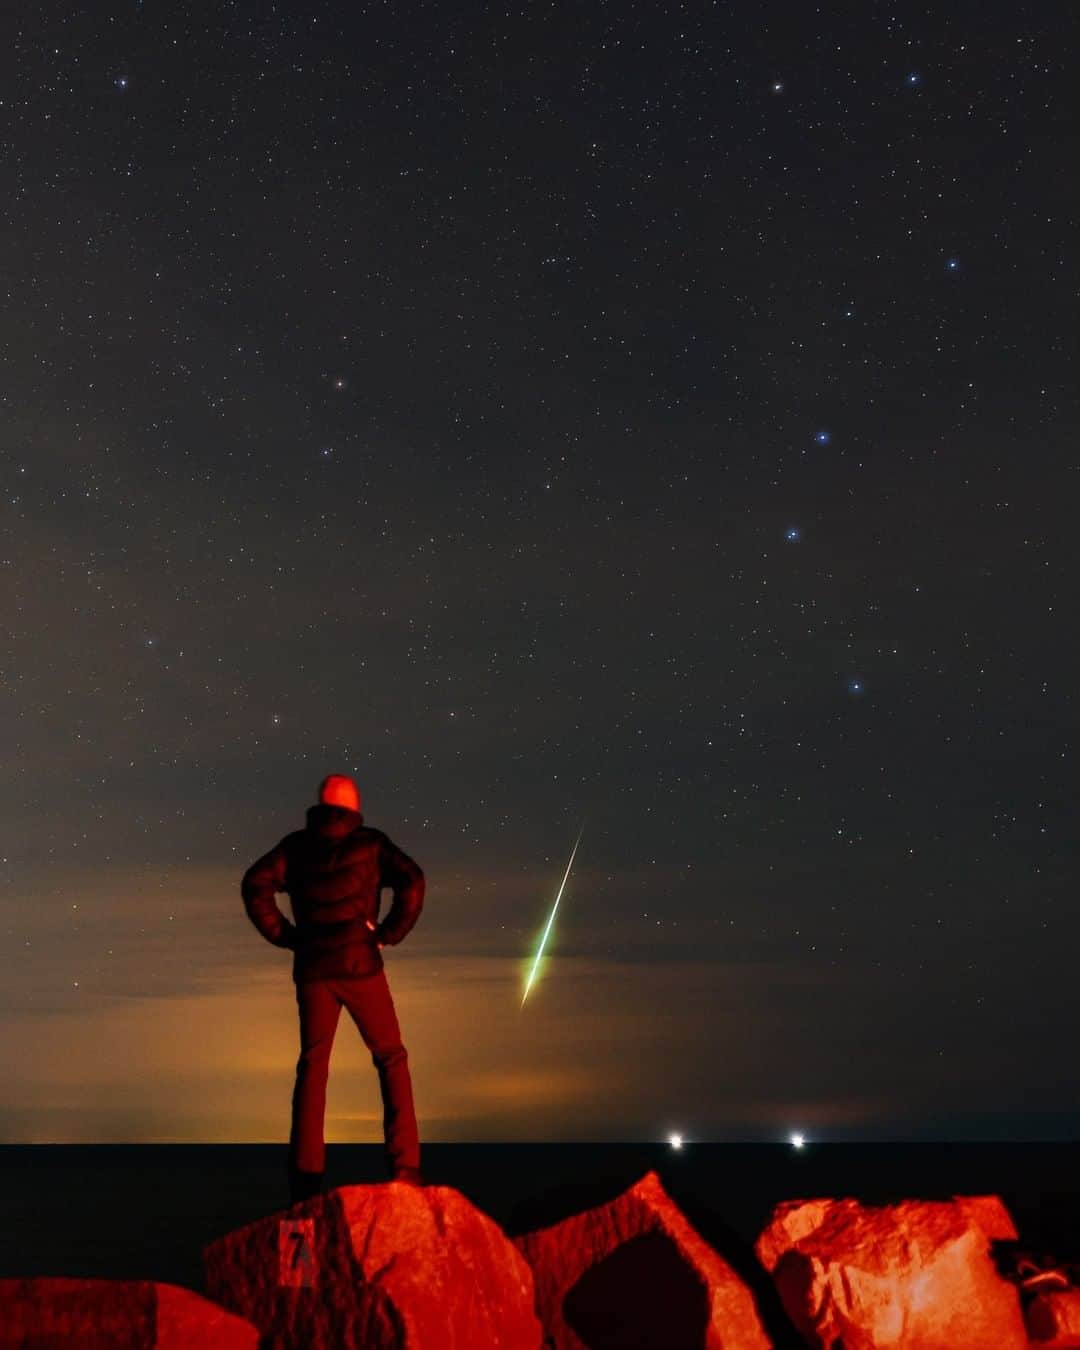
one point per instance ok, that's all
(551, 919)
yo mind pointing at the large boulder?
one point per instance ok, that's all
(55, 1311)
(1053, 1319)
(917, 1275)
(384, 1267)
(634, 1272)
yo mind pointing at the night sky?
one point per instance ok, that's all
(659, 419)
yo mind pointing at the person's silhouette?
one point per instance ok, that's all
(333, 872)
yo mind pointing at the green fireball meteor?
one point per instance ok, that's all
(551, 919)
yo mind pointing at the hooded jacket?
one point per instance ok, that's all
(333, 872)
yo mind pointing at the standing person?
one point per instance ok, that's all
(333, 872)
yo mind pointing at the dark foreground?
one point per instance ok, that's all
(146, 1211)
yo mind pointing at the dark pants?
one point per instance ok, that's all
(367, 998)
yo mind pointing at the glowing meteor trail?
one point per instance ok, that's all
(551, 919)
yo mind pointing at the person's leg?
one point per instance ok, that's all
(371, 1007)
(319, 1008)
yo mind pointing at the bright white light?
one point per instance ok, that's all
(675, 1140)
(797, 1140)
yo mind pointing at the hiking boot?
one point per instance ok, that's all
(410, 1175)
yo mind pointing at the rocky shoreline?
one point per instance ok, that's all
(389, 1266)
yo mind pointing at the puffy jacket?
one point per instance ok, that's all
(333, 872)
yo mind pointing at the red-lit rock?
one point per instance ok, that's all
(634, 1272)
(917, 1275)
(115, 1315)
(384, 1267)
(1053, 1320)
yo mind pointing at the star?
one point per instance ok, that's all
(952, 265)
(121, 82)
(914, 78)
(339, 383)
(777, 86)
(855, 686)
(793, 533)
(823, 437)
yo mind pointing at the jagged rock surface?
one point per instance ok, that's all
(115, 1315)
(385, 1267)
(634, 1272)
(917, 1275)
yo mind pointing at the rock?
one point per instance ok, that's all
(917, 1275)
(1053, 1320)
(634, 1272)
(375, 1268)
(115, 1315)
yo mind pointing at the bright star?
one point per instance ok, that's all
(777, 86)
(823, 437)
(914, 78)
(121, 82)
(953, 264)
(792, 534)
(855, 686)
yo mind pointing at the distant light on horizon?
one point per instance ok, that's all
(797, 1140)
(675, 1140)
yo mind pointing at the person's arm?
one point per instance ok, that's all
(263, 879)
(398, 871)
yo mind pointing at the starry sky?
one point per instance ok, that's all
(661, 419)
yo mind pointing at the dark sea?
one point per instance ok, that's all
(146, 1211)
